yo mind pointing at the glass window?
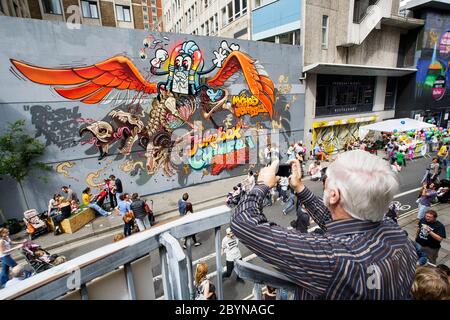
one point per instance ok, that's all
(287, 38)
(230, 11)
(237, 8)
(224, 17)
(270, 39)
(244, 6)
(391, 93)
(123, 13)
(153, 10)
(145, 9)
(324, 32)
(216, 22)
(52, 6)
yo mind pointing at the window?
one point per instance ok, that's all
(287, 38)
(123, 13)
(207, 28)
(154, 2)
(391, 94)
(216, 23)
(224, 16)
(52, 6)
(206, 3)
(145, 17)
(153, 10)
(237, 8)
(145, 25)
(270, 39)
(154, 18)
(244, 6)
(324, 32)
(230, 11)
(145, 9)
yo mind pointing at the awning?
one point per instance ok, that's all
(401, 125)
(356, 70)
(422, 4)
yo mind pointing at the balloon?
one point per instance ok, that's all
(402, 122)
(395, 130)
(429, 121)
(396, 134)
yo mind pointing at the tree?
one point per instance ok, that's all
(18, 154)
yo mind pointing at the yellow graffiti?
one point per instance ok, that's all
(95, 175)
(284, 88)
(130, 165)
(244, 104)
(61, 168)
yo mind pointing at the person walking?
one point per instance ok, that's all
(185, 207)
(124, 207)
(204, 288)
(430, 233)
(5, 254)
(137, 207)
(355, 256)
(427, 195)
(230, 246)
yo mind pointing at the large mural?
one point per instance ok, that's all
(159, 110)
(433, 75)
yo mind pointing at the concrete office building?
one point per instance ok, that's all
(132, 14)
(350, 66)
(224, 18)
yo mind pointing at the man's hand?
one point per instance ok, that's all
(267, 175)
(295, 180)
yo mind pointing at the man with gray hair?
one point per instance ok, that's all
(360, 255)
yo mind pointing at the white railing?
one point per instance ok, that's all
(122, 270)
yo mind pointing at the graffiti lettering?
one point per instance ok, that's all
(247, 104)
(213, 139)
(57, 126)
(203, 157)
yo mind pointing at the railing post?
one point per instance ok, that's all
(130, 281)
(219, 267)
(257, 288)
(165, 274)
(189, 267)
(177, 266)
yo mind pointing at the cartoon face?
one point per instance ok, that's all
(182, 66)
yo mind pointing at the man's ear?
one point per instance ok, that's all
(335, 197)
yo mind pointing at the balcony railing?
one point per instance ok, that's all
(122, 270)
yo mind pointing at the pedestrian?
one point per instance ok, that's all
(53, 205)
(314, 170)
(17, 274)
(270, 294)
(427, 195)
(291, 152)
(90, 201)
(268, 154)
(230, 246)
(124, 207)
(357, 240)
(185, 207)
(70, 194)
(118, 186)
(5, 254)
(137, 206)
(204, 288)
(430, 284)
(65, 209)
(290, 202)
(430, 233)
(111, 189)
(435, 170)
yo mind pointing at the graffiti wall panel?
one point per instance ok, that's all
(433, 75)
(160, 111)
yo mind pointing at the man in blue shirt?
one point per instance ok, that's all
(183, 207)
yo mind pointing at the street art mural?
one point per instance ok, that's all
(334, 135)
(161, 111)
(433, 75)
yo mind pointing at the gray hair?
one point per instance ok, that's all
(365, 182)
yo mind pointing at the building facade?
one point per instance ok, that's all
(223, 18)
(426, 94)
(277, 21)
(15, 8)
(351, 72)
(132, 14)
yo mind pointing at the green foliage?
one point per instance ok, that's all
(18, 152)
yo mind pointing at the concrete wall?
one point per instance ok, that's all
(56, 121)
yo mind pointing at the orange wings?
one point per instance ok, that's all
(92, 83)
(260, 85)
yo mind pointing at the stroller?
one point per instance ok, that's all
(35, 223)
(38, 258)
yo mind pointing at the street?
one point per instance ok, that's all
(409, 183)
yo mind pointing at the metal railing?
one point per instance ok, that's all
(122, 262)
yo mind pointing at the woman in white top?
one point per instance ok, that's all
(5, 254)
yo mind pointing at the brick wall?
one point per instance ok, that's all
(107, 11)
(35, 10)
(138, 17)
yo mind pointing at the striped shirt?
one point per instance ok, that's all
(353, 259)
